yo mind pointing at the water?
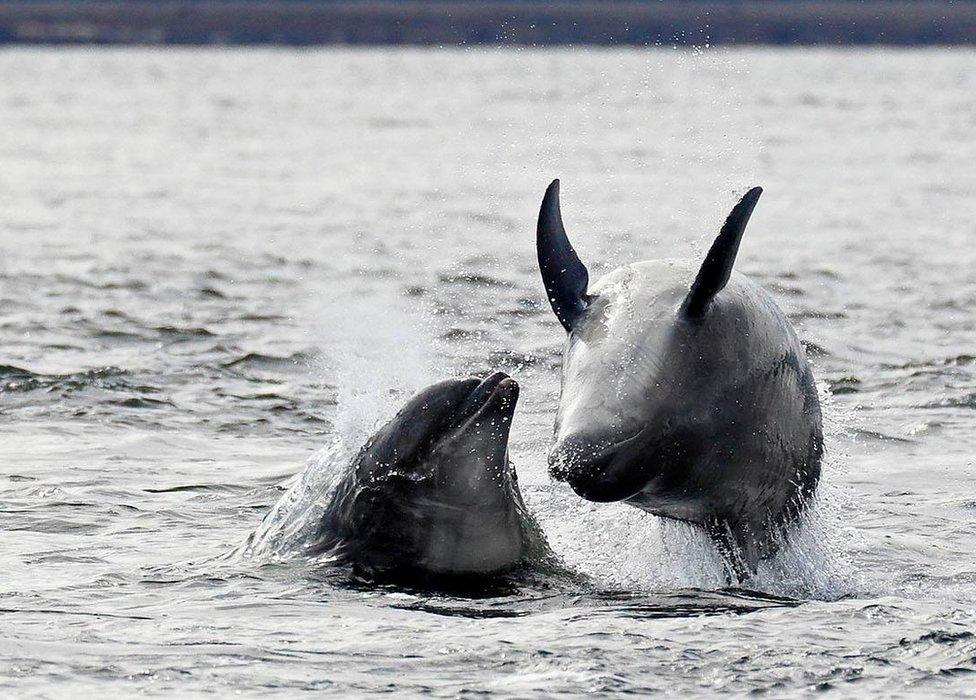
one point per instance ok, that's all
(218, 263)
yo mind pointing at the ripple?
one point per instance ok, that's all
(817, 314)
(206, 488)
(258, 360)
(16, 379)
(183, 333)
(961, 360)
(474, 280)
(966, 401)
(679, 604)
(143, 402)
(844, 385)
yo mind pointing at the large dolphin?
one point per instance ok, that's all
(685, 391)
(432, 496)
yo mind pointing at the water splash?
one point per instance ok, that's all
(623, 548)
(380, 351)
(620, 547)
(287, 530)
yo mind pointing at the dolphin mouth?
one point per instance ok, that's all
(600, 472)
(498, 392)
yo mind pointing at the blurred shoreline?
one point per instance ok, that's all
(492, 22)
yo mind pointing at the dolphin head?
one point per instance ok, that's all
(644, 354)
(624, 380)
(434, 491)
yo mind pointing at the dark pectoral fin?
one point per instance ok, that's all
(715, 271)
(564, 276)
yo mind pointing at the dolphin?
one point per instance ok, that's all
(685, 391)
(432, 496)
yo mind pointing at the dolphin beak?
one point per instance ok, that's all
(496, 395)
(501, 406)
(596, 471)
(486, 417)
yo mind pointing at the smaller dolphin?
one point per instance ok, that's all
(432, 495)
(685, 391)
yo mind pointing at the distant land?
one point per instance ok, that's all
(495, 22)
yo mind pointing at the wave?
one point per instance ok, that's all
(18, 379)
(256, 360)
(474, 279)
(287, 530)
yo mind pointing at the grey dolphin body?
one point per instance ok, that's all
(685, 394)
(432, 495)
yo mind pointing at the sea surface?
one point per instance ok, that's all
(220, 268)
